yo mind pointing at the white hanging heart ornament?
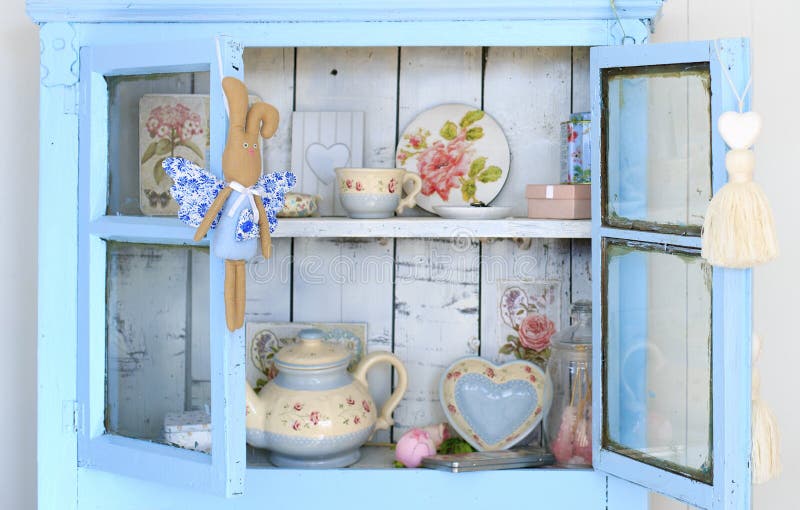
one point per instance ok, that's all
(739, 130)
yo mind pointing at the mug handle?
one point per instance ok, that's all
(411, 199)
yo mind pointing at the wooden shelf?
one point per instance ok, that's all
(154, 229)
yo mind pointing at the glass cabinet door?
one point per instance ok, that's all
(671, 331)
(155, 383)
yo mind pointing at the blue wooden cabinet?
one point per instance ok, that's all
(672, 334)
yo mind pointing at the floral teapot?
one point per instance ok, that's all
(314, 414)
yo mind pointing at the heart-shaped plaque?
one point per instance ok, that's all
(324, 159)
(739, 130)
(494, 407)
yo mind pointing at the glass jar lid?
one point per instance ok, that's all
(311, 351)
(579, 335)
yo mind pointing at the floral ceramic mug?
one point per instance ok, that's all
(376, 192)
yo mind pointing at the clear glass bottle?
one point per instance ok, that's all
(568, 424)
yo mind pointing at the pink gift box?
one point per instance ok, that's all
(559, 201)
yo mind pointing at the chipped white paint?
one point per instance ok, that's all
(269, 73)
(581, 269)
(527, 90)
(436, 320)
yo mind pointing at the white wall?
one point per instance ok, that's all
(19, 137)
(769, 23)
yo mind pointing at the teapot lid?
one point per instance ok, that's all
(312, 351)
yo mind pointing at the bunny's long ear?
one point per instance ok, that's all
(236, 93)
(266, 115)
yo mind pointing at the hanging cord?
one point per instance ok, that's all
(613, 4)
(221, 76)
(727, 75)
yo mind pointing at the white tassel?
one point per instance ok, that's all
(766, 462)
(739, 230)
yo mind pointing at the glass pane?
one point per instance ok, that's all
(657, 147)
(657, 356)
(151, 117)
(157, 332)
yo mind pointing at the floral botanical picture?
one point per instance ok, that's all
(530, 313)
(459, 152)
(172, 125)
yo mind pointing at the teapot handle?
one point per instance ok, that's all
(401, 383)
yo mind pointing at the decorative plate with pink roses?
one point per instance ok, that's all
(459, 152)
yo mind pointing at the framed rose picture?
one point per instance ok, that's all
(528, 315)
(169, 125)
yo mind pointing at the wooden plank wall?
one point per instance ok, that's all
(430, 301)
(421, 299)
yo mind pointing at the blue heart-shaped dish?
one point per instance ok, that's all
(494, 407)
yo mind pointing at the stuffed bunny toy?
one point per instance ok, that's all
(243, 208)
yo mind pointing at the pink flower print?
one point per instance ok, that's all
(350, 401)
(349, 183)
(528, 369)
(314, 417)
(298, 406)
(392, 185)
(359, 186)
(296, 425)
(456, 374)
(415, 141)
(532, 378)
(452, 408)
(535, 332)
(572, 134)
(402, 157)
(357, 420)
(490, 373)
(440, 165)
(365, 405)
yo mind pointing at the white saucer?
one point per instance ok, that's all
(466, 212)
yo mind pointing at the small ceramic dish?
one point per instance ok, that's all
(467, 212)
(299, 205)
(494, 407)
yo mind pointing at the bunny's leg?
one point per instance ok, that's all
(240, 297)
(230, 294)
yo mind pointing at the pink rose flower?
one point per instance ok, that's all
(296, 425)
(392, 186)
(535, 332)
(314, 417)
(298, 406)
(365, 405)
(350, 401)
(357, 420)
(440, 165)
(413, 446)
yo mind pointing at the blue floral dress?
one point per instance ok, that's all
(195, 189)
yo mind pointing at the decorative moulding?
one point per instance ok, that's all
(323, 10)
(59, 55)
